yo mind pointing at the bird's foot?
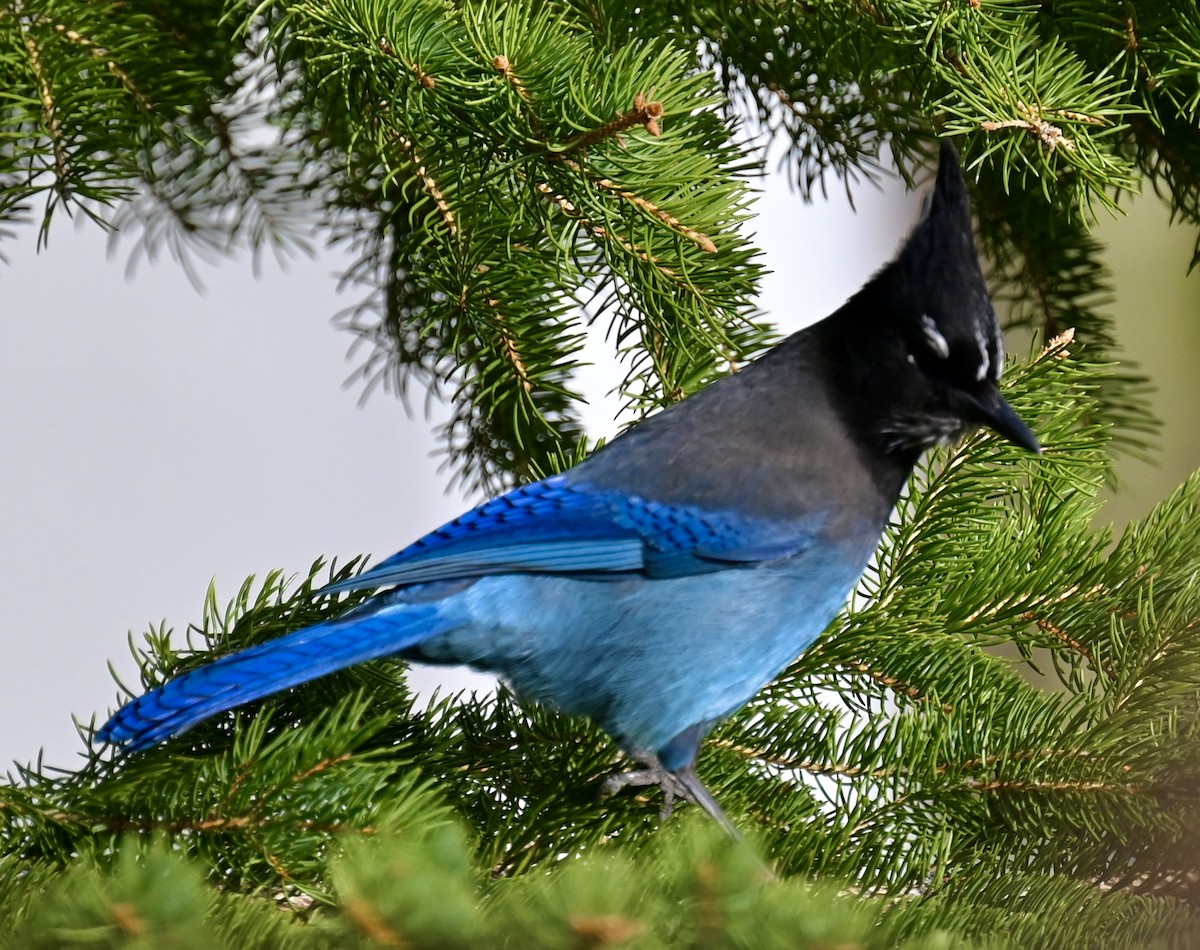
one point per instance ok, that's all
(643, 778)
(684, 783)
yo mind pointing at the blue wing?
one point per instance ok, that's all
(554, 526)
(557, 527)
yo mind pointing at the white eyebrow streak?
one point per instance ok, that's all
(937, 342)
(985, 361)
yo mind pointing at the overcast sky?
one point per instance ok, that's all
(155, 438)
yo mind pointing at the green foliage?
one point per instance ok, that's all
(507, 174)
(420, 890)
(579, 196)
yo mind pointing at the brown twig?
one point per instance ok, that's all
(430, 185)
(800, 765)
(49, 109)
(502, 65)
(972, 784)
(703, 241)
(427, 80)
(373, 926)
(893, 683)
(510, 347)
(321, 767)
(569, 209)
(1029, 755)
(127, 919)
(1001, 785)
(1063, 637)
(1033, 120)
(605, 930)
(101, 53)
(235, 823)
(644, 113)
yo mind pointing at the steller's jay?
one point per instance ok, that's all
(659, 584)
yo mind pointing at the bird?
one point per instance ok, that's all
(657, 585)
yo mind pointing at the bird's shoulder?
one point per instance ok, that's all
(770, 442)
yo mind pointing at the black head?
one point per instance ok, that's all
(921, 338)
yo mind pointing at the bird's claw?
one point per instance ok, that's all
(674, 787)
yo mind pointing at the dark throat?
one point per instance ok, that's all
(867, 384)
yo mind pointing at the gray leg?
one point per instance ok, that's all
(683, 783)
(695, 792)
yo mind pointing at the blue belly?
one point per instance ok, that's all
(646, 659)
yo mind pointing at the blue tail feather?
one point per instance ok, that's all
(302, 656)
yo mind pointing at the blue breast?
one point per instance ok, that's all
(647, 659)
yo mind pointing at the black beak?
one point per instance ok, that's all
(990, 409)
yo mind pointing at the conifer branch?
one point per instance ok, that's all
(645, 113)
(1065, 638)
(504, 68)
(509, 348)
(998, 785)
(95, 49)
(703, 241)
(222, 825)
(800, 765)
(427, 80)
(565, 205)
(62, 168)
(893, 683)
(372, 925)
(429, 183)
